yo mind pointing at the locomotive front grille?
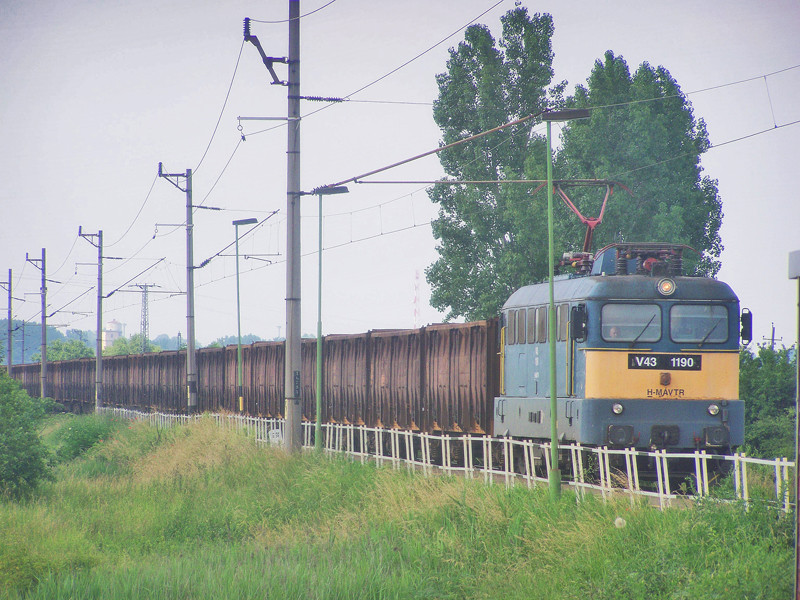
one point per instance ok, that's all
(620, 435)
(717, 436)
(662, 436)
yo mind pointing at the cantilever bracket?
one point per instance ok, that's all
(268, 60)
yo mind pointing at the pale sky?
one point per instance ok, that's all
(94, 94)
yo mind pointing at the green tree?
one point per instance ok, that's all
(24, 460)
(131, 345)
(232, 340)
(66, 350)
(767, 384)
(492, 239)
(643, 134)
(487, 84)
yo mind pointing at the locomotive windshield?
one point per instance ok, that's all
(631, 322)
(699, 323)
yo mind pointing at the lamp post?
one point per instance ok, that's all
(320, 192)
(794, 273)
(554, 478)
(236, 224)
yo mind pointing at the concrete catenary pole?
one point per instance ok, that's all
(43, 291)
(191, 362)
(98, 366)
(293, 359)
(10, 358)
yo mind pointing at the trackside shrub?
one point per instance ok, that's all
(24, 460)
(83, 433)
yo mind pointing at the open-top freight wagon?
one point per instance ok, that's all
(436, 378)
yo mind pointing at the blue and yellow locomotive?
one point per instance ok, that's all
(646, 358)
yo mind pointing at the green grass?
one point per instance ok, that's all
(197, 512)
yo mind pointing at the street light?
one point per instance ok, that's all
(555, 474)
(250, 221)
(320, 192)
(794, 273)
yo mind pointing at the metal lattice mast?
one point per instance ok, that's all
(145, 323)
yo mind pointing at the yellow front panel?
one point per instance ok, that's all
(608, 376)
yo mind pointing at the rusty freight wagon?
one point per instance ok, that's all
(436, 378)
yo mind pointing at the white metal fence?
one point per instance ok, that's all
(661, 476)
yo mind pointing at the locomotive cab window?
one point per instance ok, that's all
(541, 324)
(698, 323)
(511, 328)
(562, 320)
(631, 322)
(531, 325)
(521, 326)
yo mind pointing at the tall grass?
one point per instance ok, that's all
(198, 512)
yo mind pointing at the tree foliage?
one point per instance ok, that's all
(24, 460)
(131, 345)
(492, 238)
(66, 350)
(487, 84)
(767, 384)
(643, 134)
(232, 340)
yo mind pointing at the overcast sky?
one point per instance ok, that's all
(93, 95)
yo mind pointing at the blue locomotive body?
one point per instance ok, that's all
(646, 360)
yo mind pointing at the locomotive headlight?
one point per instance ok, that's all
(665, 287)
(713, 409)
(617, 408)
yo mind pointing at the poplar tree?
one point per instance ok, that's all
(492, 239)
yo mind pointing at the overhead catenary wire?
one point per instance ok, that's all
(70, 302)
(697, 91)
(316, 10)
(435, 150)
(222, 110)
(111, 293)
(66, 258)
(393, 71)
(139, 212)
(253, 228)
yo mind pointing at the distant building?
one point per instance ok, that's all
(111, 333)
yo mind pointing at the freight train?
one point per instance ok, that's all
(646, 358)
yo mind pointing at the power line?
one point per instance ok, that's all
(700, 91)
(111, 293)
(300, 17)
(230, 158)
(222, 111)
(253, 228)
(393, 71)
(421, 54)
(711, 147)
(141, 208)
(75, 241)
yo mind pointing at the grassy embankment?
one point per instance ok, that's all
(198, 512)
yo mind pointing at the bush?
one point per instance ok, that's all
(767, 386)
(24, 460)
(83, 433)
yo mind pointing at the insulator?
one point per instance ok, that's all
(247, 29)
(622, 264)
(676, 266)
